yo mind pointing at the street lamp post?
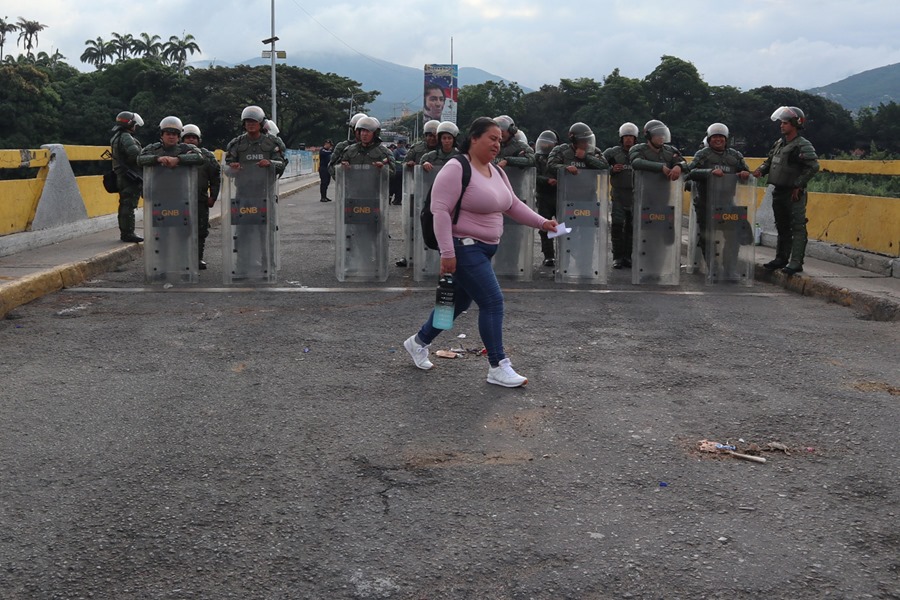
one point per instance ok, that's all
(350, 111)
(272, 41)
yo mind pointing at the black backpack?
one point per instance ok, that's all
(427, 219)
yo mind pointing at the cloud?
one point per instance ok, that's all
(744, 43)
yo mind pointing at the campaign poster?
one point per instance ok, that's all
(441, 93)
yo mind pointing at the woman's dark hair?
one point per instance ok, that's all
(478, 127)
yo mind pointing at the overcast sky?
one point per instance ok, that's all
(743, 43)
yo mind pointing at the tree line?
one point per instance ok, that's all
(44, 99)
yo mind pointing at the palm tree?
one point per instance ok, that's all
(121, 45)
(5, 28)
(49, 60)
(97, 52)
(28, 31)
(146, 46)
(176, 50)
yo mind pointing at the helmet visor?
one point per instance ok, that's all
(659, 131)
(784, 113)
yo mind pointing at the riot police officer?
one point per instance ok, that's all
(254, 145)
(368, 150)
(344, 144)
(621, 180)
(791, 163)
(656, 154)
(422, 147)
(447, 133)
(209, 181)
(125, 150)
(579, 152)
(545, 189)
(714, 160)
(513, 152)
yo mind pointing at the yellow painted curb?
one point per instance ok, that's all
(34, 286)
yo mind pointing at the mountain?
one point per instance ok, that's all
(400, 86)
(869, 88)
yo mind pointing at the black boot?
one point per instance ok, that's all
(131, 238)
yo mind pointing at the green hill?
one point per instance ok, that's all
(869, 88)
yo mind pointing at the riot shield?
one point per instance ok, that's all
(409, 214)
(361, 243)
(171, 252)
(582, 204)
(694, 250)
(515, 255)
(657, 229)
(426, 262)
(249, 224)
(731, 208)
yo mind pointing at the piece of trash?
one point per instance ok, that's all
(725, 447)
(305, 350)
(746, 508)
(168, 286)
(458, 350)
(723, 539)
(663, 484)
(708, 446)
(776, 446)
(461, 336)
(446, 354)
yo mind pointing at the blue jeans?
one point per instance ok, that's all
(475, 280)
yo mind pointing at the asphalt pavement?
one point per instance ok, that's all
(42, 269)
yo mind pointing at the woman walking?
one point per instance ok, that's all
(468, 245)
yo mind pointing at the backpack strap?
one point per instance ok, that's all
(466, 177)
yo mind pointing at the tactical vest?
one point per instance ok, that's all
(623, 180)
(730, 161)
(789, 160)
(439, 157)
(118, 147)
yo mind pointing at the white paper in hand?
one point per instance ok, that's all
(561, 229)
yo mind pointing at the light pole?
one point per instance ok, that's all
(272, 41)
(350, 111)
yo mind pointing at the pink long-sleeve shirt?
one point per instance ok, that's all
(485, 202)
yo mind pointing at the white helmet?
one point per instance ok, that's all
(717, 129)
(191, 129)
(270, 127)
(369, 123)
(628, 129)
(355, 119)
(171, 123)
(448, 127)
(521, 137)
(506, 123)
(431, 126)
(253, 113)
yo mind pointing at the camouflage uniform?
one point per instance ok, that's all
(622, 186)
(417, 151)
(516, 154)
(336, 154)
(564, 156)
(790, 166)
(545, 195)
(243, 149)
(439, 157)
(703, 164)
(125, 151)
(358, 154)
(644, 157)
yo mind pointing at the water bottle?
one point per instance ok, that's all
(757, 235)
(444, 303)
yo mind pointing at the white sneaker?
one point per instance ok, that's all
(419, 353)
(504, 375)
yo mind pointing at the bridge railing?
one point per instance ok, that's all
(55, 196)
